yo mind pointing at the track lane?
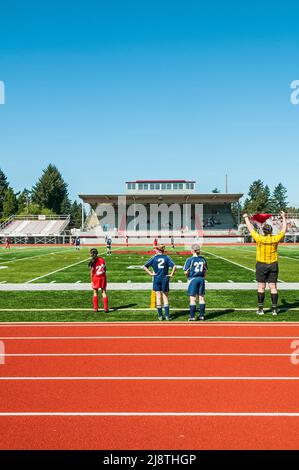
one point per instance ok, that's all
(149, 345)
(150, 396)
(150, 366)
(160, 329)
(156, 433)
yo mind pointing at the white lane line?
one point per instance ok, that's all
(149, 378)
(9, 338)
(153, 414)
(152, 355)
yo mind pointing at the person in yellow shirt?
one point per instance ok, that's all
(267, 261)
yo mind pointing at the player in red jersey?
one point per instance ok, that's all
(155, 243)
(98, 279)
(7, 243)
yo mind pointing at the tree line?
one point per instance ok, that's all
(49, 196)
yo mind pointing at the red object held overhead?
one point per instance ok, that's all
(261, 218)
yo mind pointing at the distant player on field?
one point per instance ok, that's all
(127, 241)
(160, 264)
(155, 243)
(108, 245)
(7, 243)
(98, 279)
(77, 243)
(267, 261)
(172, 242)
(195, 269)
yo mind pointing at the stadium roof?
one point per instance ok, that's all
(212, 198)
(161, 181)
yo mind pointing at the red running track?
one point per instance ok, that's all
(149, 386)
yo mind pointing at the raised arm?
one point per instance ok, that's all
(284, 222)
(248, 223)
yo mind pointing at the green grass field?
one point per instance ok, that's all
(65, 265)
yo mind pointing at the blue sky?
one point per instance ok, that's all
(121, 90)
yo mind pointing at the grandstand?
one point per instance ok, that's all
(218, 223)
(35, 229)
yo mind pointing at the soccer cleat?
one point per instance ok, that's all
(191, 319)
(167, 318)
(160, 318)
(260, 311)
(106, 311)
(274, 311)
(201, 318)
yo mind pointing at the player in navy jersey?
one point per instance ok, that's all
(195, 269)
(108, 246)
(160, 264)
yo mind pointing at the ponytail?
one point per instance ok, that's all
(94, 257)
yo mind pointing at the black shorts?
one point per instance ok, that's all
(266, 272)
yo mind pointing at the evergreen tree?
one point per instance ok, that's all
(3, 188)
(258, 199)
(24, 200)
(279, 198)
(66, 206)
(10, 204)
(36, 209)
(51, 190)
(76, 215)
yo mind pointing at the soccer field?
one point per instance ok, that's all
(55, 265)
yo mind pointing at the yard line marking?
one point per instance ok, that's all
(233, 262)
(149, 378)
(152, 414)
(57, 271)
(9, 338)
(61, 269)
(151, 354)
(229, 261)
(288, 257)
(31, 257)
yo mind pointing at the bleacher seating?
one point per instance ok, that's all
(34, 227)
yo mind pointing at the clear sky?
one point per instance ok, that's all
(118, 90)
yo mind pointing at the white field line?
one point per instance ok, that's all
(289, 257)
(152, 355)
(241, 324)
(151, 414)
(57, 271)
(25, 338)
(141, 309)
(202, 378)
(31, 257)
(233, 262)
(61, 269)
